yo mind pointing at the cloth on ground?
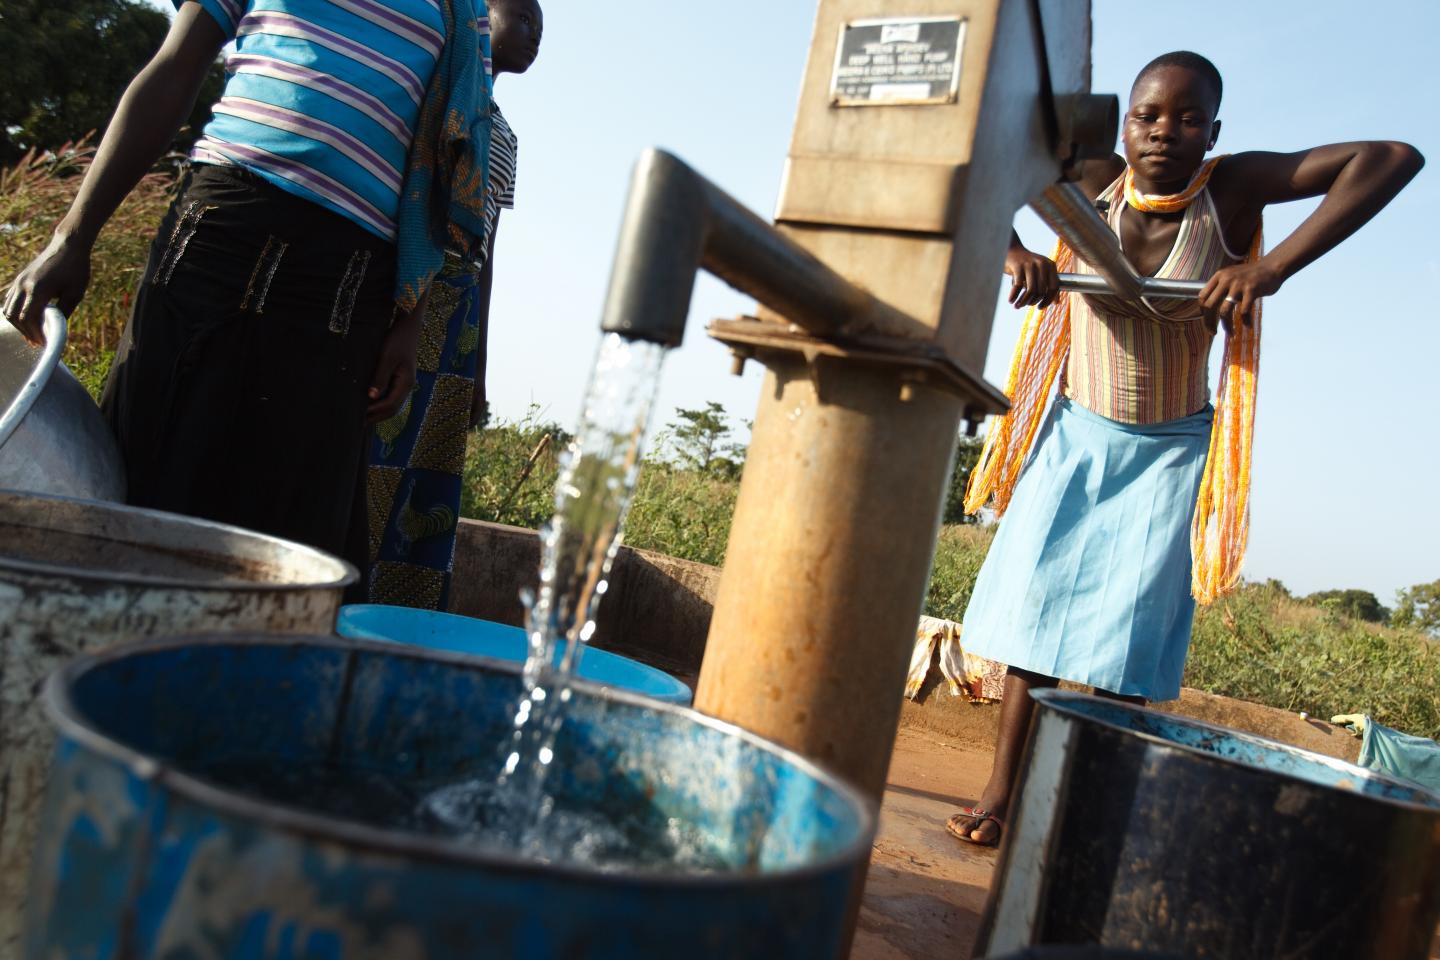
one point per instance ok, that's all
(1400, 755)
(967, 675)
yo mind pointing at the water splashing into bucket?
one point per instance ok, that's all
(596, 483)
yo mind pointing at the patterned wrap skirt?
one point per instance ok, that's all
(417, 457)
(1088, 578)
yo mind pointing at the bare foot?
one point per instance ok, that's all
(980, 825)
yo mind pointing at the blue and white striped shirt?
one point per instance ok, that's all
(321, 97)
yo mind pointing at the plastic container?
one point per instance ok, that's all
(482, 638)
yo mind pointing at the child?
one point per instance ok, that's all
(418, 455)
(1089, 578)
(262, 337)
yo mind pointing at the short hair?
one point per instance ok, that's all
(1189, 61)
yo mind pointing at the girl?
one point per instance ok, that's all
(1090, 575)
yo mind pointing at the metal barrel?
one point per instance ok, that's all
(1134, 829)
(184, 816)
(52, 436)
(78, 575)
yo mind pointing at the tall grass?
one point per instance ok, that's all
(1262, 645)
(35, 194)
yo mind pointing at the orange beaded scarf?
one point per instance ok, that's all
(1221, 524)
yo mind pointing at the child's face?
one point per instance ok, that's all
(515, 28)
(1170, 125)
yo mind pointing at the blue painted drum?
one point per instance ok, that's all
(176, 823)
(485, 638)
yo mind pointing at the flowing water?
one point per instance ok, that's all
(514, 812)
(597, 480)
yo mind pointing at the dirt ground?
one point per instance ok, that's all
(925, 891)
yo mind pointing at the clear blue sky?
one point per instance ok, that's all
(1345, 464)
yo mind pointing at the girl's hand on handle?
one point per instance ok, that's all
(1034, 279)
(1233, 292)
(58, 275)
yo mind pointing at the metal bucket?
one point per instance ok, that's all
(76, 575)
(153, 846)
(52, 437)
(1140, 830)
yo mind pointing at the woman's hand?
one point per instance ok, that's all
(1034, 279)
(1233, 293)
(394, 375)
(60, 273)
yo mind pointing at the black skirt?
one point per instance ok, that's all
(238, 392)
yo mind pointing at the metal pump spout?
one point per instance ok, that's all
(677, 223)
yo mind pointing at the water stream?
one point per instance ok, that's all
(597, 481)
(513, 811)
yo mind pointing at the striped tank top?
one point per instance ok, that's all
(1125, 362)
(321, 97)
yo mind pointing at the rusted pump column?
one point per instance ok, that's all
(830, 553)
(923, 126)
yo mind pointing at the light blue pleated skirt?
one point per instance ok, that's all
(1088, 578)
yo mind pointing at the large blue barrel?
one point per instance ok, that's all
(180, 820)
(1138, 830)
(484, 638)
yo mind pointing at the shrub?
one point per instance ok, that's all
(685, 513)
(958, 555)
(510, 471)
(1260, 645)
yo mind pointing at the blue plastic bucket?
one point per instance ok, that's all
(153, 845)
(484, 638)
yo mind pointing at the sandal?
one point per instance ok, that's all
(979, 816)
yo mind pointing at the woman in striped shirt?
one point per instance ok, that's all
(418, 455)
(1089, 576)
(266, 331)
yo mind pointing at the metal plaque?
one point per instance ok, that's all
(898, 61)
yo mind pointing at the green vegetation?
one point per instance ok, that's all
(1260, 644)
(1328, 653)
(63, 66)
(34, 194)
(1419, 607)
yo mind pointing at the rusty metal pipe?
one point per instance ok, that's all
(1066, 210)
(677, 223)
(1149, 286)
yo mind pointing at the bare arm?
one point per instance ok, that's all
(1357, 180)
(154, 105)
(1034, 280)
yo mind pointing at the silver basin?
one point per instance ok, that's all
(52, 437)
(76, 575)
